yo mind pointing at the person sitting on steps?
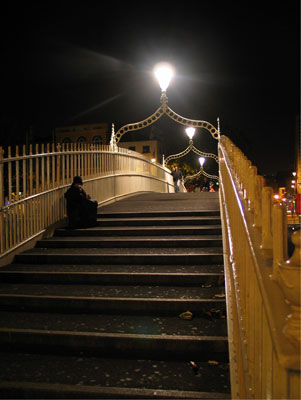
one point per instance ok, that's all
(81, 210)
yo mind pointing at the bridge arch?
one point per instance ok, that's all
(164, 109)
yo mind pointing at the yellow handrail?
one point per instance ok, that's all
(262, 287)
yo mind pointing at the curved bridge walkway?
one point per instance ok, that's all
(132, 308)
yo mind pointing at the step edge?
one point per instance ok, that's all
(87, 254)
(108, 335)
(110, 391)
(91, 273)
(128, 299)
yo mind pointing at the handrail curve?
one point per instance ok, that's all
(263, 297)
(32, 185)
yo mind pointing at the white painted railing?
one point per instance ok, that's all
(33, 183)
(262, 285)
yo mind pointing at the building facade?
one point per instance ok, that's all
(86, 134)
(152, 149)
(146, 143)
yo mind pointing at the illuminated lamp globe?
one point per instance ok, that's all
(164, 73)
(190, 132)
(201, 161)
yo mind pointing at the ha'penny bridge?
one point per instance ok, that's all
(171, 295)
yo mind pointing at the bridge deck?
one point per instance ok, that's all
(156, 202)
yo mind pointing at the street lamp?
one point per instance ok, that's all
(201, 172)
(201, 161)
(190, 132)
(164, 73)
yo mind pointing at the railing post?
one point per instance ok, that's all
(267, 241)
(10, 186)
(42, 169)
(24, 172)
(58, 164)
(53, 163)
(252, 172)
(289, 280)
(1, 201)
(37, 188)
(279, 238)
(17, 174)
(1, 178)
(30, 171)
(258, 201)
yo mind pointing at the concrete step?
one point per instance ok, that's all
(107, 277)
(151, 214)
(122, 268)
(211, 255)
(95, 313)
(114, 344)
(211, 324)
(113, 291)
(160, 221)
(76, 304)
(111, 298)
(129, 241)
(117, 335)
(67, 376)
(142, 231)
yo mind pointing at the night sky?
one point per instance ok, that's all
(238, 61)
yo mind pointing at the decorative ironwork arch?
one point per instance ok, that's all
(199, 173)
(164, 109)
(190, 148)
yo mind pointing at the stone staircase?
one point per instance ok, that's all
(131, 308)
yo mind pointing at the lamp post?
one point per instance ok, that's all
(190, 131)
(164, 73)
(201, 172)
(201, 161)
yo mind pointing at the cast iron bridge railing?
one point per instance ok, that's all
(262, 283)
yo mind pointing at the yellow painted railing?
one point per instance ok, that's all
(32, 184)
(262, 284)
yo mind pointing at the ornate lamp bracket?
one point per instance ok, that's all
(164, 109)
(188, 149)
(199, 173)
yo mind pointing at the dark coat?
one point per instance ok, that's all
(176, 175)
(81, 211)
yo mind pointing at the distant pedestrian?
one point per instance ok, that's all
(177, 176)
(206, 185)
(81, 210)
(197, 184)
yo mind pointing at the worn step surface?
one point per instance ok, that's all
(99, 377)
(206, 255)
(151, 214)
(137, 231)
(130, 242)
(159, 221)
(98, 313)
(177, 275)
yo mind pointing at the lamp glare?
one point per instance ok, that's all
(164, 73)
(190, 132)
(201, 161)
